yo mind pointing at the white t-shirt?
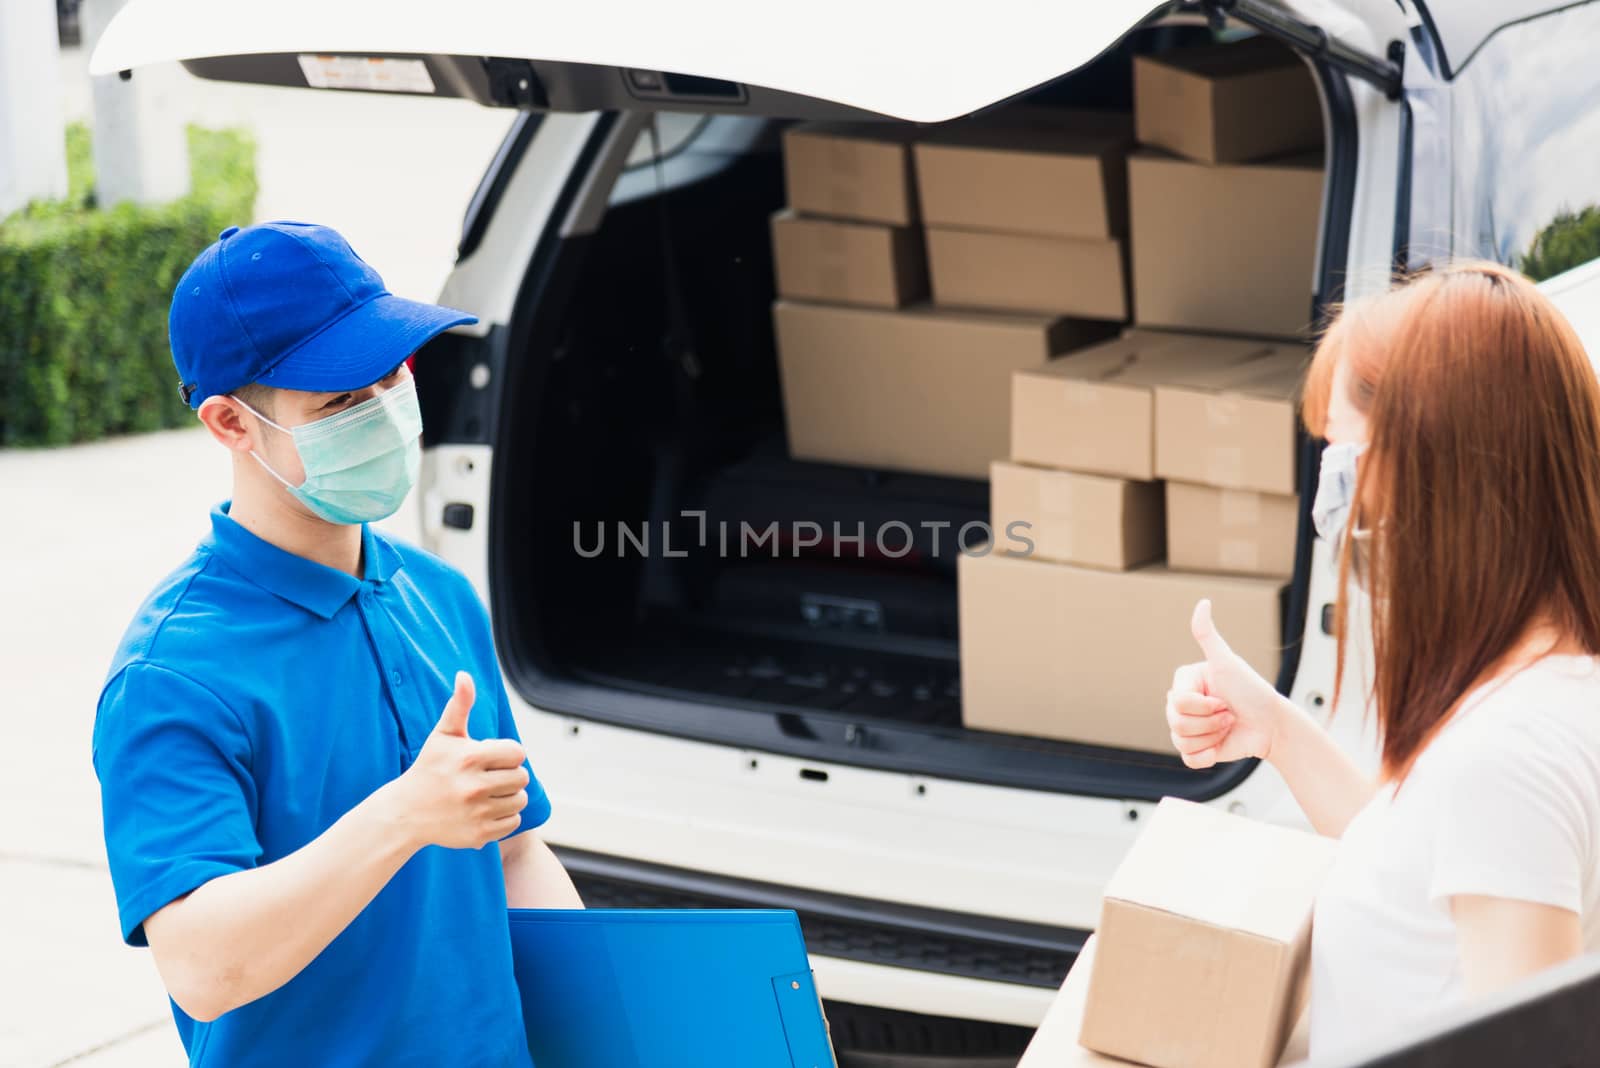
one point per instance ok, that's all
(1505, 802)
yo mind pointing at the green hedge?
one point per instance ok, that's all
(84, 296)
(1571, 240)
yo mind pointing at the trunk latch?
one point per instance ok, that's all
(513, 84)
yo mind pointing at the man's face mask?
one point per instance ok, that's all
(1336, 490)
(359, 463)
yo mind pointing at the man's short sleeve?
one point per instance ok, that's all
(537, 811)
(1514, 819)
(176, 792)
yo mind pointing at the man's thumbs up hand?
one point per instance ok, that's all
(1220, 709)
(454, 719)
(459, 792)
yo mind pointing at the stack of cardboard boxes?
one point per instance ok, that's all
(849, 235)
(1226, 189)
(1076, 635)
(1160, 446)
(1029, 213)
(1225, 447)
(1024, 232)
(1146, 471)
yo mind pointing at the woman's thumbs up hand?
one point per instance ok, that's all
(1220, 709)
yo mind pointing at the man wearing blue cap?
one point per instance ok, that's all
(310, 818)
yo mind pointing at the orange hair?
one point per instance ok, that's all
(1480, 483)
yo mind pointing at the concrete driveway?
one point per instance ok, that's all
(86, 531)
(89, 530)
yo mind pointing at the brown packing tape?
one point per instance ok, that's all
(832, 240)
(1056, 496)
(1224, 465)
(1239, 554)
(843, 195)
(833, 266)
(1080, 402)
(1168, 90)
(1056, 501)
(1077, 394)
(1239, 508)
(833, 277)
(845, 165)
(843, 157)
(1222, 411)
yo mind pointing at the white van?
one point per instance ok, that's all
(772, 732)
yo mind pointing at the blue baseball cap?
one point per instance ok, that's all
(290, 305)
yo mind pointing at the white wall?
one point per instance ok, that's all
(33, 161)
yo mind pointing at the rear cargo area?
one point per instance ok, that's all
(754, 440)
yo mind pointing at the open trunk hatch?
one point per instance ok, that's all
(925, 63)
(895, 58)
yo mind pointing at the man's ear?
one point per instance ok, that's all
(225, 418)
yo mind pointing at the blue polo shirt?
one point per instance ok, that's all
(256, 698)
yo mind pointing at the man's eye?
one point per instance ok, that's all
(336, 402)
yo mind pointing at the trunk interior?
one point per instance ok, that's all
(641, 447)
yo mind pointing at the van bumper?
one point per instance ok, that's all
(867, 952)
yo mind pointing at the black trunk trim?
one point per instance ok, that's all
(1312, 40)
(852, 928)
(486, 198)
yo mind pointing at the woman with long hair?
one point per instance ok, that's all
(1460, 489)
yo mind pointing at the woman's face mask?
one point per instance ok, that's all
(359, 463)
(1336, 490)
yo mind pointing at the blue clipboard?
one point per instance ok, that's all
(667, 988)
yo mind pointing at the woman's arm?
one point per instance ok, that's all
(1502, 940)
(1512, 840)
(1328, 785)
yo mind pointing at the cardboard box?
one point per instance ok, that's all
(1058, 179)
(1204, 941)
(1094, 410)
(851, 170)
(1228, 247)
(1227, 103)
(916, 390)
(1055, 1043)
(848, 262)
(1085, 277)
(1230, 530)
(1076, 518)
(1232, 425)
(1056, 651)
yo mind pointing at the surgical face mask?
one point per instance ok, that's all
(359, 463)
(1336, 490)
